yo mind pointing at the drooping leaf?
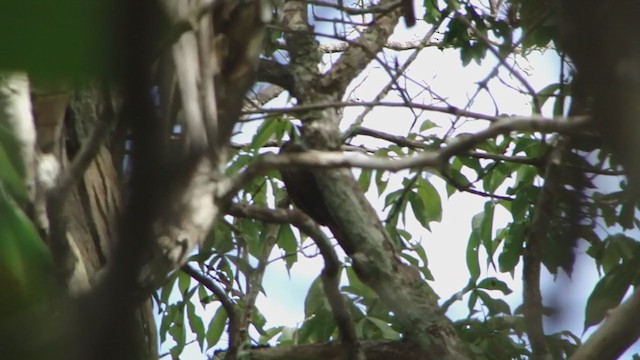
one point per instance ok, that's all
(386, 330)
(473, 247)
(12, 172)
(315, 300)
(365, 179)
(288, 243)
(26, 265)
(493, 283)
(608, 293)
(216, 327)
(495, 306)
(430, 199)
(513, 247)
(196, 324)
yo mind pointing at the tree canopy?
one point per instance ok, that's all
(143, 157)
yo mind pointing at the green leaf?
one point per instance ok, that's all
(318, 328)
(288, 243)
(473, 247)
(493, 283)
(288, 335)
(466, 55)
(418, 209)
(539, 37)
(525, 176)
(184, 280)
(391, 198)
(427, 125)
(204, 296)
(424, 269)
(165, 292)
(545, 94)
(266, 131)
(365, 179)
(251, 234)
(523, 202)
(513, 247)
(381, 182)
(11, 168)
(216, 327)
(473, 300)
(430, 199)
(608, 293)
(179, 333)
(196, 324)
(357, 287)
(167, 320)
(385, 328)
(486, 228)
(26, 266)
(269, 334)
(456, 175)
(258, 320)
(315, 300)
(495, 306)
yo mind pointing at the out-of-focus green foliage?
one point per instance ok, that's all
(66, 38)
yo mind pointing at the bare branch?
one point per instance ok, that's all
(398, 140)
(423, 43)
(503, 61)
(379, 9)
(514, 159)
(207, 282)
(339, 104)
(433, 159)
(336, 47)
(330, 273)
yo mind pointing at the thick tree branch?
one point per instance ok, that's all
(373, 350)
(618, 332)
(361, 51)
(337, 47)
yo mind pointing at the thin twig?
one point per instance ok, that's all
(503, 61)
(339, 104)
(330, 273)
(433, 159)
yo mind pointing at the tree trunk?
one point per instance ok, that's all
(95, 205)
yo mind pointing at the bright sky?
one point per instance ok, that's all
(445, 245)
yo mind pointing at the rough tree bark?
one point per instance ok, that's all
(95, 204)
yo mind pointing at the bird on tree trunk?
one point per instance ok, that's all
(303, 188)
(305, 193)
